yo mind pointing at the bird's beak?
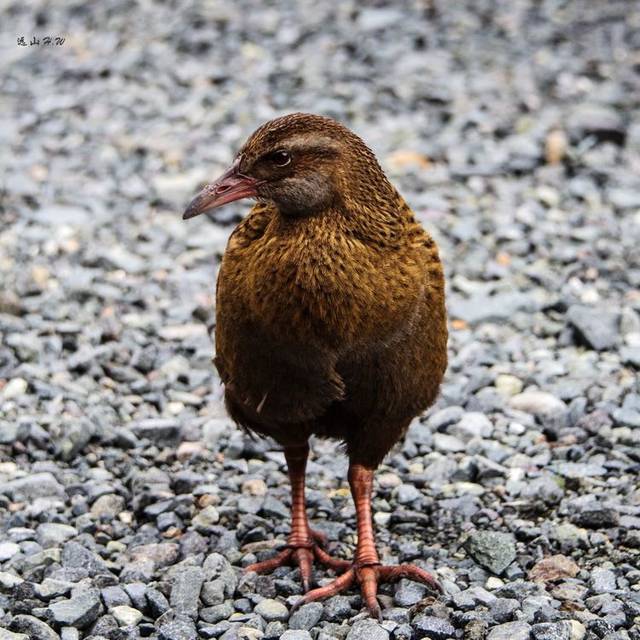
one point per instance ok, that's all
(231, 185)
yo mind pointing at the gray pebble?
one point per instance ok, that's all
(367, 629)
(78, 611)
(185, 590)
(180, 628)
(493, 550)
(409, 593)
(307, 616)
(337, 608)
(432, 627)
(510, 631)
(271, 610)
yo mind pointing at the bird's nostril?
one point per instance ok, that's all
(222, 188)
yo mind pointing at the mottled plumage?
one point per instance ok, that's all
(330, 297)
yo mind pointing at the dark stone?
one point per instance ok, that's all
(34, 628)
(180, 628)
(307, 616)
(597, 518)
(79, 611)
(432, 627)
(337, 608)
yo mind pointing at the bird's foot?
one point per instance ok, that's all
(369, 576)
(302, 553)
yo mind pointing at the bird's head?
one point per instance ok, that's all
(302, 163)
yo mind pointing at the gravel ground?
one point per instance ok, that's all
(129, 502)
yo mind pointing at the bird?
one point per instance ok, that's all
(330, 322)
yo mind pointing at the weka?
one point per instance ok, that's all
(330, 320)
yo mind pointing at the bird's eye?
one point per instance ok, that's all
(280, 158)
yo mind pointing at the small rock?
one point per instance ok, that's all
(216, 566)
(79, 611)
(33, 486)
(445, 417)
(409, 593)
(389, 480)
(480, 308)
(53, 534)
(475, 630)
(208, 517)
(5, 634)
(493, 550)
(114, 596)
(597, 328)
(158, 603)
(538, 403)
(34, 628)
(108, 505)
(598, 518)
(578, 630)
(217, 612)
(553, 568)
(577, 470)
(50, 588)
(212, 592)
(602, 580)
(271, 610)
(407, 493)
(600, 120)
(158, 430)
(544, 489)
(510, 631)
(185, 591)
(504, 609)
(75, 556)
(448, 444)
(254, 487)
(161, 554)
(8, 550)
(432, 627)
(508, 385)
(9, 580)
(473, 424)
(337, 608)
(15, 388)
(296, 635)
(69, 633)
(180, 628)
(126, 616)
(137, 591)
(307, 616)
(552, 630)
(367, 629)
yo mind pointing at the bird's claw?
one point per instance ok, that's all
(302, 554)
(369, 576)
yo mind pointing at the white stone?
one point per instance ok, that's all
(15, 388)
(126, 616)
(8, 550)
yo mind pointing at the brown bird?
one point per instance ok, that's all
(330, 320)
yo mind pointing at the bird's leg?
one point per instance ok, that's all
(366, 569)
(304, 543)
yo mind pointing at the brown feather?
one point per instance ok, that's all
(330, 321)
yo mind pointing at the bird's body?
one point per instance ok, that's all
(323, 331)
(330, 317)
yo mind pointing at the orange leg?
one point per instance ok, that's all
(366, 569)
(304, 543)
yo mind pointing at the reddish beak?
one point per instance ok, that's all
(231, 185)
